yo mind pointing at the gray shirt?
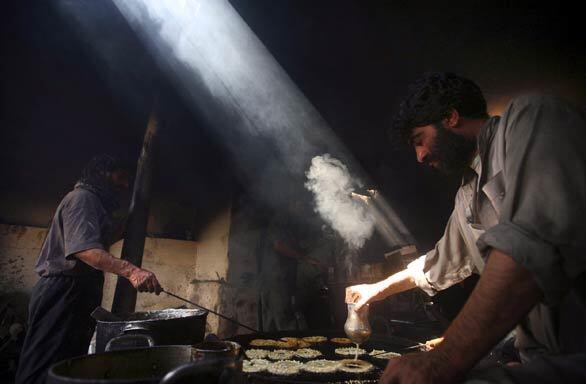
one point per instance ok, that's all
(528, 200)
(535, 178)
(455, 256)
(80, 223)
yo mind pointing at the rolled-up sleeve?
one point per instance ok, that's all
(82, 218)
(544, 170)
(445, 265)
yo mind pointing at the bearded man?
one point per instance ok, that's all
(517, 221)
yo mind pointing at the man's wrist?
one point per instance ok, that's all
(451, 356)
(127, 269)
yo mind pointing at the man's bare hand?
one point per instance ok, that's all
(145, 281)
(431, 344)
(363, 294)
(419, 368)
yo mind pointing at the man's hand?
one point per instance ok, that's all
(363, 294)
(145, 281)
(431, 344)
(505, 292)
(420, 368)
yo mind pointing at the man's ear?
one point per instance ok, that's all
(452, 120)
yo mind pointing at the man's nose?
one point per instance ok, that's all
(421, 152)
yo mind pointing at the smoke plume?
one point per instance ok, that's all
(329, 180)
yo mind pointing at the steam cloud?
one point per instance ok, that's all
(329, 180)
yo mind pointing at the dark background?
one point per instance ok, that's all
(62, 103)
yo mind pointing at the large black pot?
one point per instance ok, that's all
(136, 366)
(141, 329)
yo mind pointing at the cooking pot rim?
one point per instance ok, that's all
(185, 313)
(51, 372)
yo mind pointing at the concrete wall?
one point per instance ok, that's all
(19, 248)
(195, 270)
(174, 263)
(240, 292)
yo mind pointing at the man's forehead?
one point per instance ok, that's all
(417, 131)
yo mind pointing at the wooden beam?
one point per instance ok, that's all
(138, 214)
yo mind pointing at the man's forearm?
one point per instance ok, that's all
(504, 294)
(366, 293)
(104, 261)
(398, 282)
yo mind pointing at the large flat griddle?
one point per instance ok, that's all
(388, 343)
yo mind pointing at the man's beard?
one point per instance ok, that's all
(452, 152)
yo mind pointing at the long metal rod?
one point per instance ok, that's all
(422, 347)
(214, 312)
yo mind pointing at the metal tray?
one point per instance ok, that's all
(388, 343)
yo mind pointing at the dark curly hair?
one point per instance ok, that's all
(94, 173)
(431, 98)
